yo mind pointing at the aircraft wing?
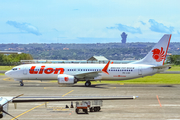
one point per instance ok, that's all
(92, 75)
(89, 75)
(5, 100)
(70, 98)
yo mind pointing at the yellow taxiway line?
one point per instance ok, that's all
(28, 111)
(67, 93)
(7, 79)
(38, 106)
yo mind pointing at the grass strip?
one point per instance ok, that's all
(2, 74)
(174, 68)
(6, 67)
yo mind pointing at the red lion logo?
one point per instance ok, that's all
(158, 55)
(66, 79)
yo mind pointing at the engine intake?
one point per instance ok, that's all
(64, 79)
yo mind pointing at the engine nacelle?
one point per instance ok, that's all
(64, 79)
(3, 101)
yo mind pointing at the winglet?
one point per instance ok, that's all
(17, 96)
(105, 68)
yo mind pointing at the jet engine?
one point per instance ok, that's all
(3, 107)
(66, 79)
(4, 102)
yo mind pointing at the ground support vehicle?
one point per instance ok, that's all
(93, 106)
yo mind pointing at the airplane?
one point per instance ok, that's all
(69, 74)
(4, 101)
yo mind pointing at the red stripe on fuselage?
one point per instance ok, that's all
(167, 49)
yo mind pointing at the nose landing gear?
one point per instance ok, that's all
(21, 83)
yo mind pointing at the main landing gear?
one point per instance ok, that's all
(21, 83)
(88, 83)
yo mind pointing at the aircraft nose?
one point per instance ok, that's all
(8, 73)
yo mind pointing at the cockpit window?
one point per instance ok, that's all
(14, 69)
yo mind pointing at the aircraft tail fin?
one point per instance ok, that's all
(157, 55)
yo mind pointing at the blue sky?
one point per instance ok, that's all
(88, 21)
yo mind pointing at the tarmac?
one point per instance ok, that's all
(160, 102)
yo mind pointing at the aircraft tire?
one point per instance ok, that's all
(88, 83)
(21, 83)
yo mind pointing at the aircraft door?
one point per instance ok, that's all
(24, 70)
(140, 70)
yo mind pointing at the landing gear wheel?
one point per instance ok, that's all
(21, 83)
(88, 83)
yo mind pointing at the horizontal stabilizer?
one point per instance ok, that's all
(161, 67)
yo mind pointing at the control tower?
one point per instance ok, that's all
(124, 36)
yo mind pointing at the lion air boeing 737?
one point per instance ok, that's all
(68, 74)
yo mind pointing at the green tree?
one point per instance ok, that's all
(174, 59)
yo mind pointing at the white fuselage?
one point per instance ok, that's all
(51, 71)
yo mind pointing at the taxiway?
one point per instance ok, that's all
(160, 102)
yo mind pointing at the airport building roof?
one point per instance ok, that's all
(97, 58)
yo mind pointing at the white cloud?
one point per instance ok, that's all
(27, 27)
(159, 27)
(125, 28)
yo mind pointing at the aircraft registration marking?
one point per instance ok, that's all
(119, 76)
